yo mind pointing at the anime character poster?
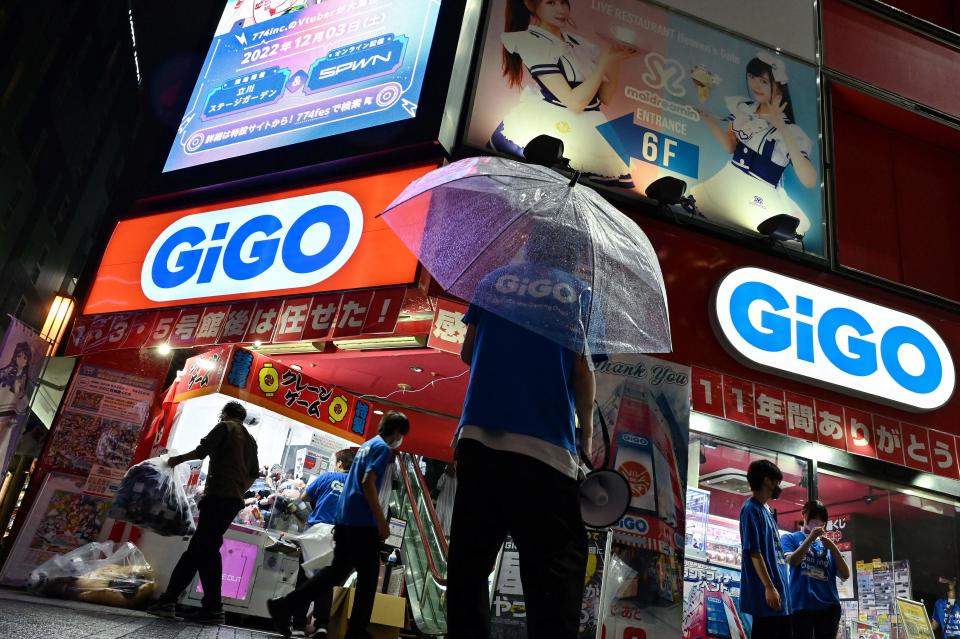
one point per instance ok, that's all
(21, 360)
(62, 519)
(281, 71)
(645, 404)
(636, 93)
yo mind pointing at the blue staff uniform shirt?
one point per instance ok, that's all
(947, 615)
(324, 492)
(520, 382)
(813, 584)
(352, 508)
(759, 533)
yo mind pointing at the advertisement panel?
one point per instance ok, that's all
(646, 404)
(281, 72)
(636, 93)
(21, 358)
(307, 240)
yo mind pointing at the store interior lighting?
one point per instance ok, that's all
(403, 341)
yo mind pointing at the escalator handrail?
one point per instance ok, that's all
(431, 564)
(434, 518)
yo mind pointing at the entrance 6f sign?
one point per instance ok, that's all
(826, 338)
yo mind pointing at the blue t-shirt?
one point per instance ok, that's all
(352, 507)
(759, 533)
(324, 491)
(519, 382)
(947, 615)
(813, 584)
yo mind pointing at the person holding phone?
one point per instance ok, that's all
(815, 563)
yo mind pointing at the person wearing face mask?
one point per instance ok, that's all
(361, 526)
(815, 563)
(763, 577)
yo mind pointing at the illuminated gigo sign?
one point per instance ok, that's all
(267, 246)
(826, 338)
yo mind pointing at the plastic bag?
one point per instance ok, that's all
(151, 495)
(103, 573)
(316, 547)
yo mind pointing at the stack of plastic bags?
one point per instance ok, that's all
(151, 495)
(103, 573)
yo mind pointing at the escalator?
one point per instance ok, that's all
(424, 548)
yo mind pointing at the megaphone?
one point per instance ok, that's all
(604, 494)
(604, 498)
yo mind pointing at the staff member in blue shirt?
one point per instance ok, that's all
(324, 491)
(361, 526)
(763, 579)
(815, 563)
(946, 612)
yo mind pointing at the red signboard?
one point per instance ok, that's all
(770, 409)
(738, 400)
(943, 453)
(707, 392)
(830, 431)
(448, 330)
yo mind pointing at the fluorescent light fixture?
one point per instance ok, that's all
(373, 343)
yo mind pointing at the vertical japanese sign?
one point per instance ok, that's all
(671, 97)
(21, 358)
(646, 404)
(278, 73)
(448, 330)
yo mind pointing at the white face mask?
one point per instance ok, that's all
(395, 445)
(813, 523)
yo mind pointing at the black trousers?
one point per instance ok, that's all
(816, 624)
(321, 605)
(355, 548)
(203, 553)
(779, 627)
(500, 493)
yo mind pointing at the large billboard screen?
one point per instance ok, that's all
(637, 92)
(281, 72)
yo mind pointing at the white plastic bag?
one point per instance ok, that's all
(152, 495)
(104, 573)
(316, 547)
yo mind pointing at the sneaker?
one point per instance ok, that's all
(205, 617)
(280, 615)
(161, 608)
(319, 633)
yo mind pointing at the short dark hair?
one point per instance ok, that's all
(393, 422)
(815, 508)
(345, 457)
(234, 410)
(762, 469)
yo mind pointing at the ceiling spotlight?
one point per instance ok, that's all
(378, 412)
(163, 349)
(416, 369)
(404, 387)
(668, 191)
(257, 344)
(296, 367)
(780, 228)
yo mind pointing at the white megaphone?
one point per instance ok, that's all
(604, 493)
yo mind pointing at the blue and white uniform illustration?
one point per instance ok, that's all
(541, 112)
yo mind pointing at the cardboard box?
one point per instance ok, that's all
(388, 617)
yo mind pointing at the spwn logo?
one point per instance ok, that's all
(267, 246)
(830, 339)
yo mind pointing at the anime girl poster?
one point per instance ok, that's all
(21, 358)
(637, 92)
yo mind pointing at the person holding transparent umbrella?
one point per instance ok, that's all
(553, 274)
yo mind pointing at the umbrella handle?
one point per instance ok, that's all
(574, 178)
(606, 441)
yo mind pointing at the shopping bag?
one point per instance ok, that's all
(316, 547)
(152, 495)
(103, 573)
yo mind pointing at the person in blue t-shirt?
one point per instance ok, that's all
(946, 612)
(361, 526)
(815, 563)
(763, 571)
(525, 397)
(324, 491)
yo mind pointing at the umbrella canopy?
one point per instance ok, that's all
(519, 241)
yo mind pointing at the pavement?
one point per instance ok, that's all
(24, 616)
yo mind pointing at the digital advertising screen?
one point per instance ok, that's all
(280, 72)
(636, 93)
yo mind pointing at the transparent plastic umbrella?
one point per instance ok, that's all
(519, 241)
